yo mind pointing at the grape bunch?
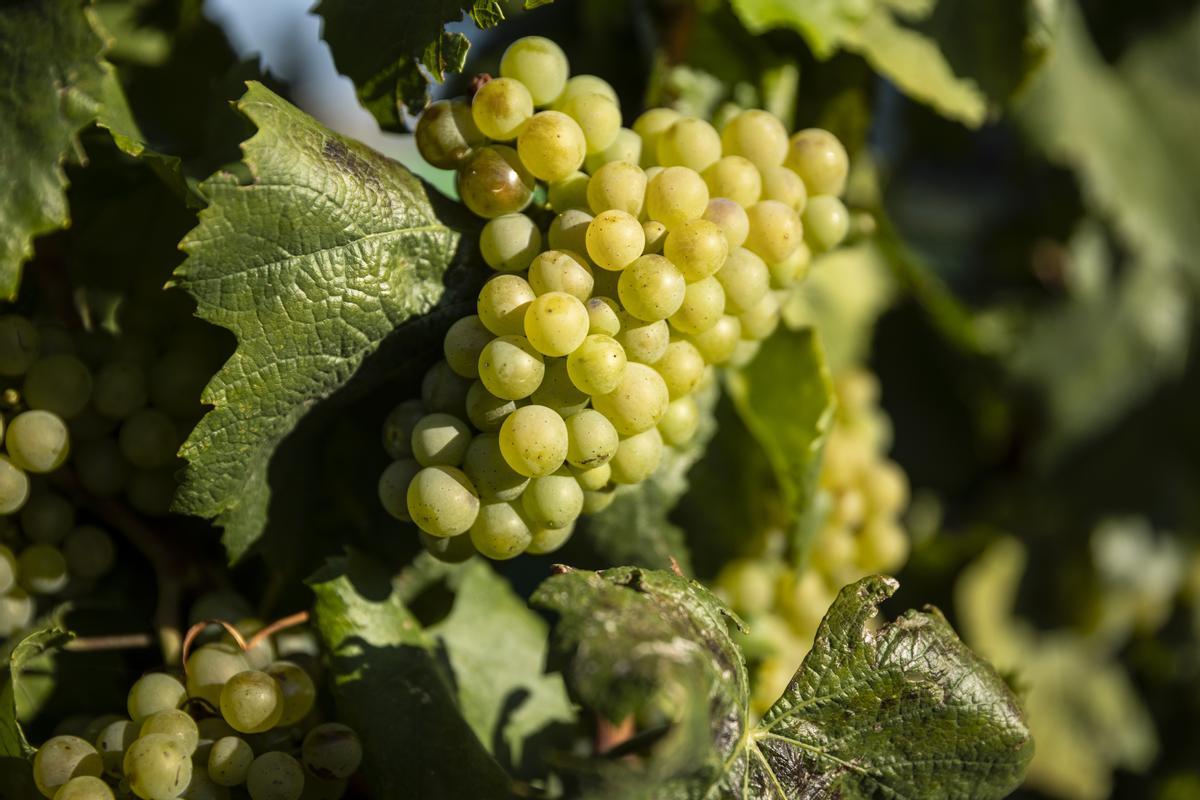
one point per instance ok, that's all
(659, 252)
(238, 723)
(862, 494)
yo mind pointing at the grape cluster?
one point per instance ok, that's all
(238, 723)
(662, 252)
(862, 494)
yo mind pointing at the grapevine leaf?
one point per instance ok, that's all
(13, 743)
(904, 711)
(311, 265)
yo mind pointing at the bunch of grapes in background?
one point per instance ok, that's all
(658, 253)
(862, 495)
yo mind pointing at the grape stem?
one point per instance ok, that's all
(121, 641)
(290, 621)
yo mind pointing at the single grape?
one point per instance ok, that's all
(42, 569)
(229, 761)
(603, 316)
(596, 478)
(511, 368)
(596, 366)
(440, 439)
(650, 126)
(730, 218)
(90, 552)
(101, 467)
(627, 147)
(886, 487)
(598, 116)
(651, 288)
(446, 133)
(450, 549)
(762, 319)
(736, 178)
(556, 323)
(637, 457)
(502, 304)
(19, 345)
(488, 470)
(492, 181)
(785, 186)
(614, 239)
(656, 237)
(393, 487)
(775, 230)
(501, 108)
(676, 195)
(791, 270)
(442, 501)
(619, 186)
(211, 730)
(62, 758)
(275, 776)
(570, 192)
(251, 702)
(500, 531)
(14, 486)
(485, 410)
(703, 304)
(638, 403)
(561, 271)
(8, 569)
(681, 368)
(509, 242)
(443, 391)
(643, 342)
(539, 64)
(553, 501)
(745, 279)
(120, 389)
(262, 654)
(585, 84)
(85, 787)
(756, 135)
(176, 382)
(547, 540)
(331, 751)
(154, 692)
(679, 424)
(210, 667)
(175, 723)
(718, 342)
(826, 222)
(203, 787)
(16, 611)
(558, 392)
(820, 160)
(689, 142)
(148, 438)
(299, 693)
(397, 428)
(591, 439)
(551, 146)
(47, 518)
(595, 502)
(533, 440)
(697, 247)
(37, 441)
(568, 231)
(59, 383)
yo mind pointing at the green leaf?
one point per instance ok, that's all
(13, 743)
(311, 265)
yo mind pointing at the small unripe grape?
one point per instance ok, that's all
(485, 410)
(679, 424)
(643, 342)
(730, 218)
(826, 222)
(397, 428)
(551, 146)
(689, 142)
(558, 392)
(556, 323)
(511, 368)
(697, 247)
(703, 304)
(637, 457)
(603, 316)
(718, 342)
(820, 160)
(627, 146)
(681, 368)
(676, 195)
(745, 279)
(599, 117)
(757, 135)
(444, 391)
(785, 186)
(442, 501)
(651, 288)
(440, 440)
(502, 303)
(760, 321)
(553, 501)
(393, 487)
(578, 85)
(618, 185)
(487, 468)
(509, 242)
(19, 345)
(533, 440)
(775, 230)
(501, 108)
(492, 181)
(464, 341)
(591, 439)
(570, 192)
(568, 231)
(614, 239)
(538, 63)
(547, 540)
(561, 271)
(596, 478)
(62, 758)
(736, 178)
(596, 366)
(501, 531)
(638, 403)
(14, 486)
(446, 133)
(656, 236)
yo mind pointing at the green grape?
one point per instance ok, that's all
(791, 270)
(681, 368)
(501, 108)
(826, 223)
(446, 133)
(397, 428)
(444, 391)
(151, 491)
(8, 569)
(785, 186)
(596, 478)
(450, 549)
(14, 487)
(85, 787)
(502, 304)
(275, 776)
(500, 531)
(539, 64)
(37, 441)
(735, 178)
(553, 501)
(487, 468)
(676, 195)
(637, 457)
(90, 552)
(638, 403)
(703, 304)
(551, 146)
(656, 237)
(175, 723)
(393, 487)
(62, 758)
(748, 586)
(596, 366)
(556, 322)
(464, 342)
(627, 146)
(148, 438)
(16, 611)
(689, 142)
(332, 751)
(492, 181)
(511, 368)
(547, 540)
(202, 787)
(299, 693)
(643, 342)
(886, 488)
(775, 230)
(59, 383)
(251, 702)
(757, 135)
(211, 730)
(651, 288)
(598, 115)
(440, 439)
(820, 160)
(697, 247)
(262, 654)
(533, 440)
(568, 231)
(745, 279)
(47, 518)
(229, 761)
(154, 692)
(619, 186)
(558, 392)
(603, 316)
(113, 741)
(485, 410)
(585, 84)
(509, 242)
(730, 218)
(650, 126)
(570, 192)
(19, 345)
(679, 424)
(210, 667)
(614, 239)
(718, 342)
(442, 501)
(595, 502)
(761, 320)
(120, 389)
(561, 271)
(42, 569)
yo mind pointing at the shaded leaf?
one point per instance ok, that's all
(13, 743)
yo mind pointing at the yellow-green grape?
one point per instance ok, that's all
(745, 279)
(748, 586)
(547, 540)
(539, 64)
(614, 239)
(568, 230)
(578, 85)
(120, 389)
(393, 487)
(202, 787)
(59, 383)
(679, 424)
(886, 488)
(62, 758)
(19, 345)
(85, 787)
(487, 468)
(718, 342)
(757, 135)
(397, 428)
(444, 391)
(209, 667)
(440, 440)
(8, 569)
(656, 236)
(637, 457)
(501, 108)
(591, 440)
(16, 611)
(651, 288)
(598, 115)
(177, 724)
(558, 392)
(464, 341)
(154, 692)
(551, 146)
(42, 569)
(826, 222)
(509, 242)
(689, 142)
(595, 502)
(47, 518)
(251, 701)
(442, 501)
(834, 551)
(882, 546)
(275, 776)
(502, 303)
(14, 487)
(736, 178)
(299, 693)
(780, 183)
(775, 230)
(553, 501)
(703, 304)
(697, 247)
(603, 316)
(619, 186)
(561, 271)
(681, 368)
(157, 767)
(570, 192)
(556, 323)
(229, 761)
(643, 342)
(450, 550)
(485, 410)
(332, 751)
(596, 366)
(730, 218)
(762, 319)
(211, 729)
(596, 478)
(638, 403)
(627, 146)
(650, 126)
(792, 269)
(500, 531)
(533, 440)
(676, 195)
(492, 181)
(820, 160)
(446, 133)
